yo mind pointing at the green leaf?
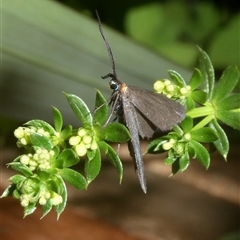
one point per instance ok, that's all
(91, 154)
(112, 156)
(229, 103)
(207, 73)
(205, 135)
(190, 103)
(155, 146)
(231, 118)
(17, 178)
(74, 178)
(68, 157)
(196, 79)
(41, 124)
(8, 191)
(169, 160)
(201, 153)
(177, 78)
(184, 162)
(115, 132)
(80, 109)
(187, 124)
(21, 168)
(199, 96)
(47, 208)
(101, 109)
(41, 141)
(57, 117)
(66, 132)
(29, 209)
(63, 192)
(222, 143)
(93, 166)
(226, 84)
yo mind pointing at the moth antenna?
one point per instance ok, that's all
(108, 46)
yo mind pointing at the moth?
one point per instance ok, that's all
(141, 111)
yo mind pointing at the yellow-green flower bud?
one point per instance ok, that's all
(75, 140)
(187, 136)
(94, 145)
(81, 149)
(19, 132)
(82, 132)
(87, 139)
(42, 200)
(159, 86)
(56, 199)
(25, 159)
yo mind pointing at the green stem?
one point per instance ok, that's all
(201, 111)
(204, 122)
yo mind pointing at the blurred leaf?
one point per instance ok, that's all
(224, 47)
(226, 84)
(43, 56)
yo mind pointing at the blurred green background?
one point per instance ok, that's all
(52, 46)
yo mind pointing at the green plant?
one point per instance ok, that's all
(54, 150)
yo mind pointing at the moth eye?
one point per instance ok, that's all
(113, 85)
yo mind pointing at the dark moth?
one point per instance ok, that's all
(141, 111)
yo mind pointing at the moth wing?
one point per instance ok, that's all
(163, 112)
(134, 146)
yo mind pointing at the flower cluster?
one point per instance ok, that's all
(40, 159)
(23, 134)
(33, 191)
(83, 141)
(171, 90)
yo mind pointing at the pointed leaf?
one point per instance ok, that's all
(69, 158)
(196, 79)
(112, 156)
(93, 166)
(199, 96)
(46, 208)
(184, 162)
(231, 118)
(80, 109)
(207, 73)
(187, 124)
(41, 124)
(201, 153)
(17, 178)
(41, 141)
(101, 109)
(29, 210)
(63, 192)
(74, 178)
(226, 84)
(222, 143)
(205, 135)
(21, 168)
(115, 132)
(177, 78)
(58, 121)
